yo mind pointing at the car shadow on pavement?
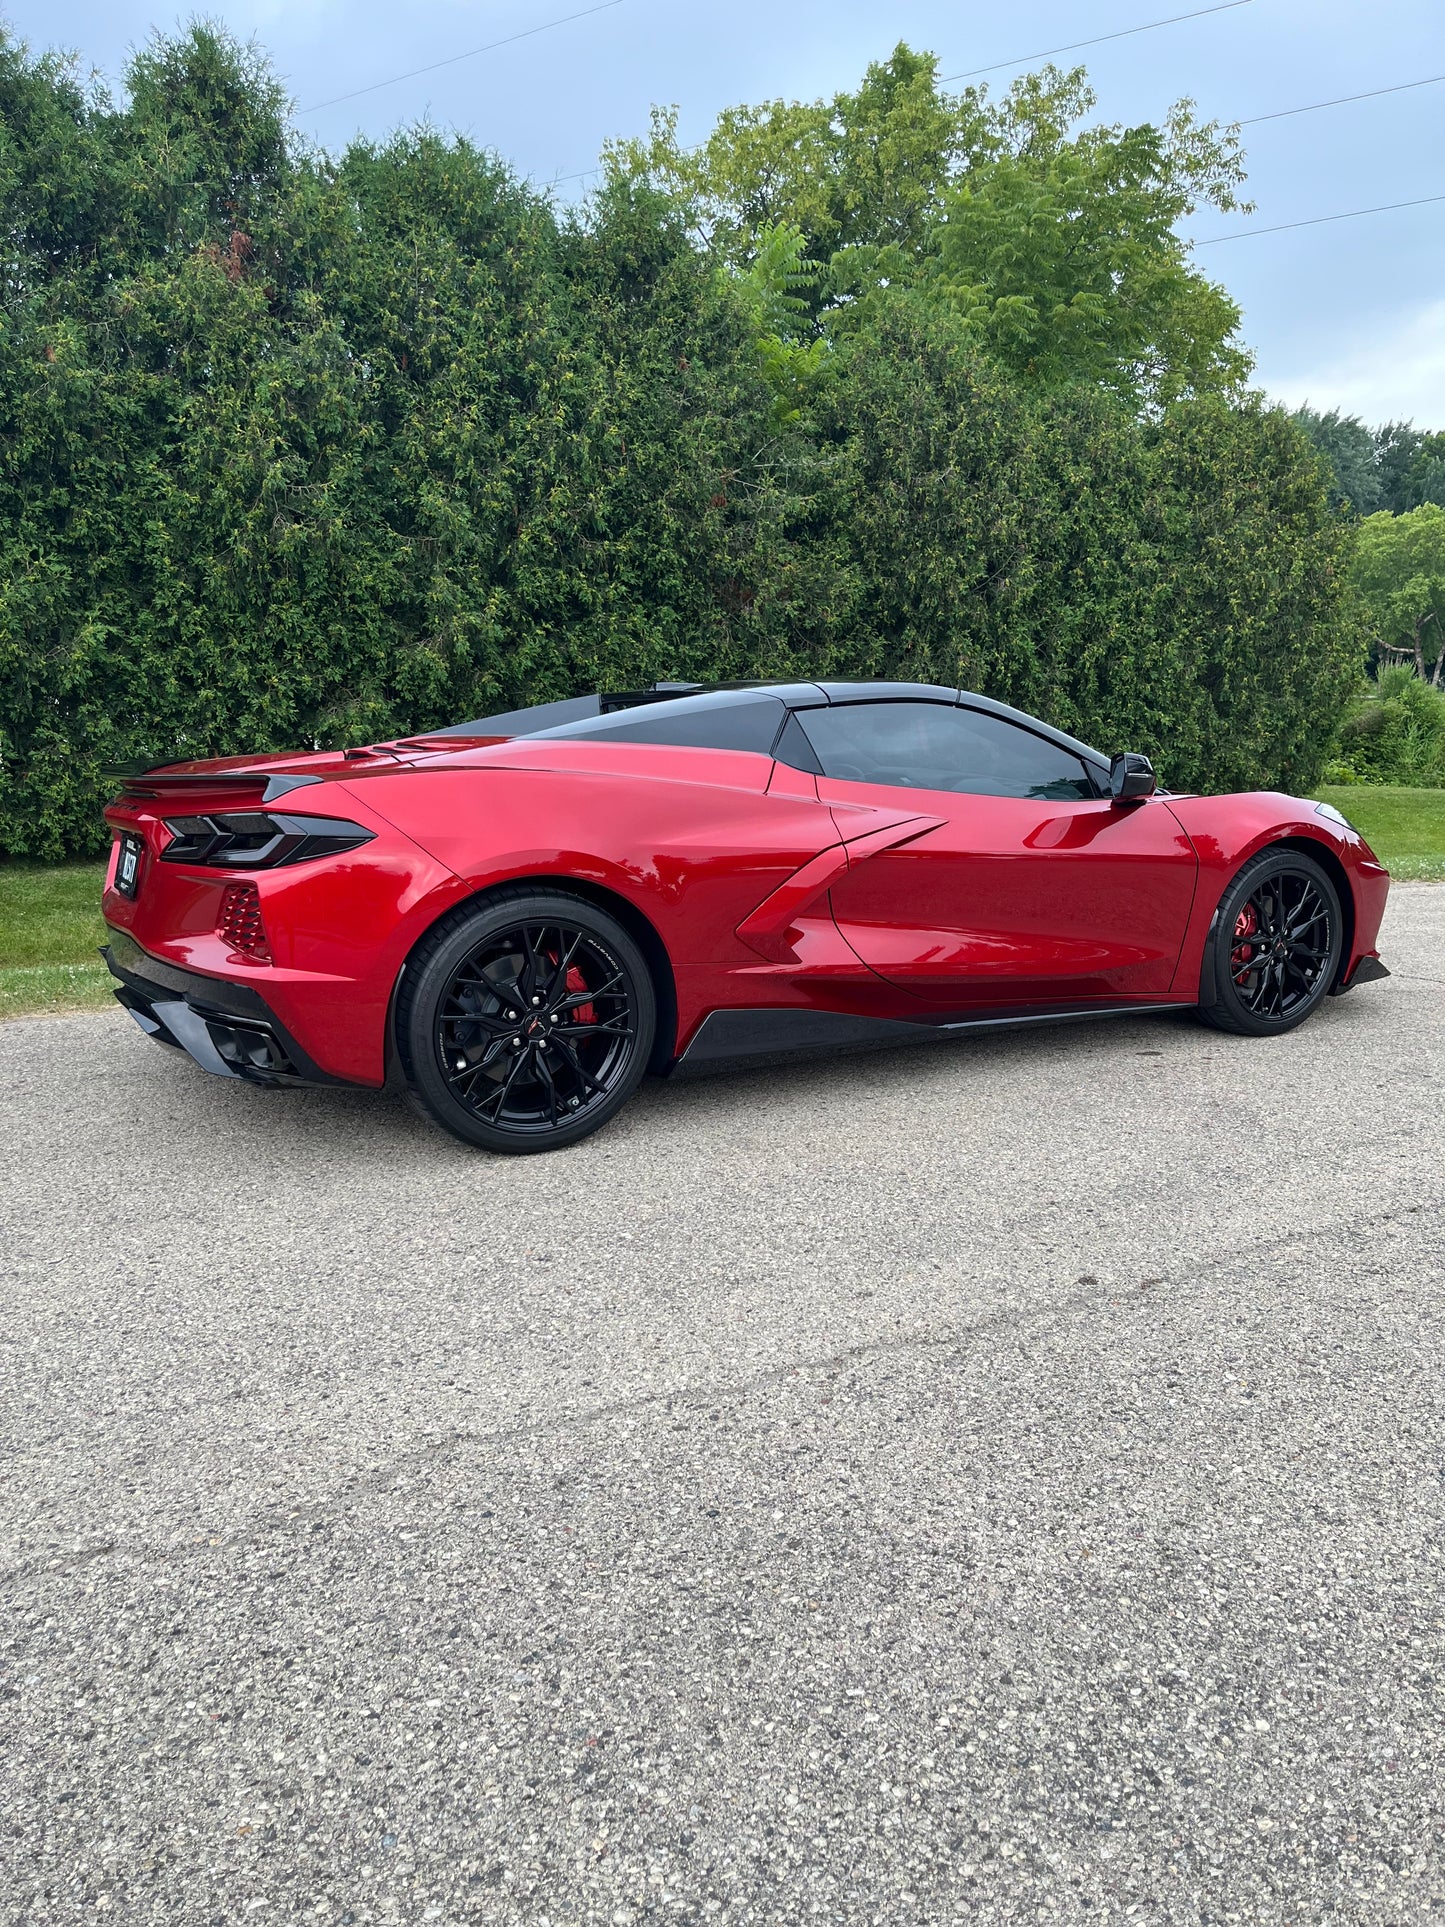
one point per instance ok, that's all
(784, 1091)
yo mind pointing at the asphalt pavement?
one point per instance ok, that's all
(996, 1482)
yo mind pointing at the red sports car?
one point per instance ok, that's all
(520, 916)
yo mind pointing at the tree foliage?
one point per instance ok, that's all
(1395, 732)
(1351, 454)
(1399, 570)
(1415, 473)
(1054, 243)
(1392, 468)
(299, 449)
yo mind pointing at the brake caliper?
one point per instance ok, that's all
(1241, 956)
(584, 1013)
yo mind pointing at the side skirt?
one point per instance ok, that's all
(733, 1037)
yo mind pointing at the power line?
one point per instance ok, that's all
(1319, 220)
(1227, 6)
(1402, 87)
(452, 59)
(1252, 120)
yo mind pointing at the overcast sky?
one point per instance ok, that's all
(1349, 314)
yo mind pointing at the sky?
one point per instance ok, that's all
(1347, 314)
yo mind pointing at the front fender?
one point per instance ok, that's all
(1226, 831)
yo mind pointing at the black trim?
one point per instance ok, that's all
(1369, 970)
(738, 719)
(523, 722)
(793, 748)
(732, 1037)
(277, 786)
(552, 717)
(175, 784)
(244, 1033)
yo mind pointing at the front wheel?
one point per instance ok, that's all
(1274, 948)
(527, 1021)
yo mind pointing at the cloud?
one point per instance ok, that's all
(1398, 375)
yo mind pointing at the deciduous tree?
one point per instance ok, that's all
(1400, 571)
(1055, 244)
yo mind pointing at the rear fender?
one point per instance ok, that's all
(638, 927)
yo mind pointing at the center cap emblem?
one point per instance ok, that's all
(536, 1028)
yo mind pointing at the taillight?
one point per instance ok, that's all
(239, 923)
(259, 839)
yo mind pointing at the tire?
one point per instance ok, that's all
(1274, 946)
(525, 1021)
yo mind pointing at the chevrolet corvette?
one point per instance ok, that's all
(517, 918)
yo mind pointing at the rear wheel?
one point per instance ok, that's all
(1275, 946)
(527, 1021)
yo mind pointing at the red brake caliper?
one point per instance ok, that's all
(1241, 957)
(584, 1013)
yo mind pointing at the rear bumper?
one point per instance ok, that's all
(226, 1028)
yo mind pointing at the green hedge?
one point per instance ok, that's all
(299, 451)
(1394, 734)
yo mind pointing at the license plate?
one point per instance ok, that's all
(127, 865)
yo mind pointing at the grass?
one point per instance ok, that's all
(1405, 828)
(50, 928)
(50, 923)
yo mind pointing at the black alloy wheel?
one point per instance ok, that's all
(527, 1022)
(1275, 946)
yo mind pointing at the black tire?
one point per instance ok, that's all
(1274, 946)
(526, 1020)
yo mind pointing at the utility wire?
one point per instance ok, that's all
(1226, 6)
(1401, 87)
(1319, 220)
(1252, 120)
(1098, 40)
(452, 59)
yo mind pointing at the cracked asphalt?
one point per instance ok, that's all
(1000, 1482)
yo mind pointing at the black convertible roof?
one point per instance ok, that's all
(726, 715)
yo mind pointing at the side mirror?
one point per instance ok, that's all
(1131, 777)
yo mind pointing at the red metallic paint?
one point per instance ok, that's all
(772, 927)
(737, 865)
(1016, 901)
(1227, 831)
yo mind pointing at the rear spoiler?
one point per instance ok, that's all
(150, 784)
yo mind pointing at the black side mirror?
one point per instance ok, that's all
(1131, 777)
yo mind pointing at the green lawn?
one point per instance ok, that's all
(1405, 828)
(50, 928)
(50, 922)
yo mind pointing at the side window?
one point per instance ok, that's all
(934, 746)
(794, 749)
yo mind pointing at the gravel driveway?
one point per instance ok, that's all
(996, 1482)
